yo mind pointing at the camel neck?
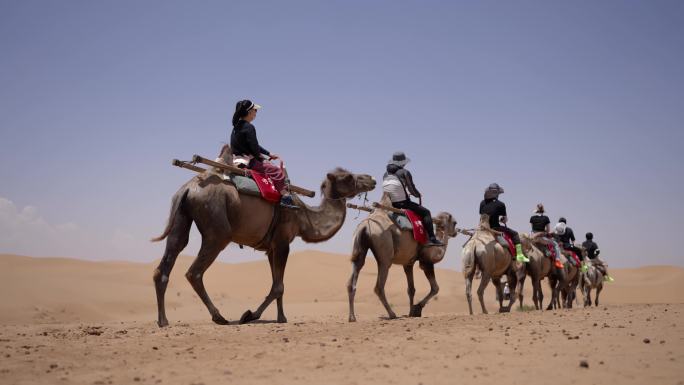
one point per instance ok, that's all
(323, 222)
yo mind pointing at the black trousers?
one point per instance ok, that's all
(420, 211)
(575, 249)
(512, 233)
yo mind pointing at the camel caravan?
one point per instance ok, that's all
(243, 197)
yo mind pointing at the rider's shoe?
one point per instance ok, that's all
(558, 263)
(434, 242)
(585, 268)
(608, 278)
(287, 202)
(520, 257)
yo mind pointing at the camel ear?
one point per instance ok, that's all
(331, 176)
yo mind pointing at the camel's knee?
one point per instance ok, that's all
(278, 290)
(434, 289)
(193, 276)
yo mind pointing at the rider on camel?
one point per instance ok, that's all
(248, 153)
(541, 224)
(492, 206)
(398, 184)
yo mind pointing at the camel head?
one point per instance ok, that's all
(341, 183)
(446, 223)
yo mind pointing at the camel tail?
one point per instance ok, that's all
(469, 263)
(176, 202)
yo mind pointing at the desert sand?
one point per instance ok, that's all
(70, 321)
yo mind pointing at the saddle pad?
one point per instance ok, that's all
(401, 221)
(419, 233)
(266, 187)
(245, 185)
(506, 241)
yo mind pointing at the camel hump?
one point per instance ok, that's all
(484, 222)
(226, 155)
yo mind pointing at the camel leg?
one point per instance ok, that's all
(553, 284)
(277, 257)
(411, 288)
(512, 285)
(598, 291)
(499, 293)
(468, 290)
(484, 281)
(429, 269)
(357, 264)
(175, 243)
(212, 244)
(520, 291)
(537, 287)
(383, 272)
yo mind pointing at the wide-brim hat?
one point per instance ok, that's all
(399, 159)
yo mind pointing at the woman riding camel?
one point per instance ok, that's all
(248, 153)
(541, 224)
(492, 206)
(396, 181)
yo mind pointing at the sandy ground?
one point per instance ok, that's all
(73, 322)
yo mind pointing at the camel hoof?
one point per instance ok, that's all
(505, 309)
(392, 316)
(247, 317)
(282, 320)
(163, 323)
(352, 318)
(219, 320)
(416, 311)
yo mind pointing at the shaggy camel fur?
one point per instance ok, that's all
(484, 253)
(222, 215)
(391, 245)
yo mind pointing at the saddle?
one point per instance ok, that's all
(411, 222)
(507, 242)
(574, 256)
(258, 185)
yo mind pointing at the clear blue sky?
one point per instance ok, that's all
(579, 105)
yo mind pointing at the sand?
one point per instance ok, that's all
(75, 322)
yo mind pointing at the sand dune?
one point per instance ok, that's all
(74, 322)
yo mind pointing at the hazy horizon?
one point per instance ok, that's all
(577, 105)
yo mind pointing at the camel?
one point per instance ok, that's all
(591, 279)
(484, 253)
(391, 245)
(223, 215)
(563, 283)
(539, 267)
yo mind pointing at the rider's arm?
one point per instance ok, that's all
(408, 180)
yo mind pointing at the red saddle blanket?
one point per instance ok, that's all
(574, 257)
(266, 187)
(509, 240)
(419, 233)
(552, 250)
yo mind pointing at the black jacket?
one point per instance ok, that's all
(243, 141)
(405, 177)
(495, 209)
